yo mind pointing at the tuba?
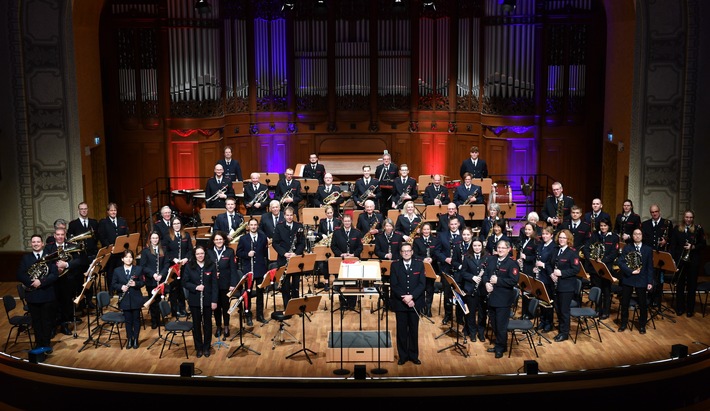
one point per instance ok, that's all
(332, 197)
(633, 260)
(596, 251)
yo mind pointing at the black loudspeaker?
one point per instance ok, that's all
(187, 369)
(530, 367)
(679, 351)
(360, 372)
(36, 357)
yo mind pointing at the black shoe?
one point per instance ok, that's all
(129, 344)
(642, 330)
(135, 343)
(417, 362)
(690, 314)
(217, 333)
(472, 336)
(153, 325)
(481, 337)
(326, 287)
(491, 350)
(249, 321)
(91, 305)
(499, 354)
(547, 328)
(561, 337)
(604, 316)
(679, 312)
(199, 353)
(207, 353)
(622, 328)
(65, 329)
(320, 285)
(226, 332)
(446, 320)
(261, 319)
(401, 362)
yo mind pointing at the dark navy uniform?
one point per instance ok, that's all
(385, 243)
(462, 194)
(41, 300)
(549, 209)
(475, 295)
(152, 263)
(361, 187)
(314, 170)
(227, 276)
(201, 302)
(426, 248)
(407, 281)
(131, 301)
(213, 186)
(283, 187)
(568, 263)
(408, 186)
(283, 239)
(479, 170)
(232, 170)
(611, 252)
(593, 219)
(432, 192)
(257, 265)
(687, 279)
(501, 298)
(626, 225)
(635, 282)
(250, 193)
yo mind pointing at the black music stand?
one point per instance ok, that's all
(241, 301)
(663, 262)
(307, 184)
(537, 289)
(240, 287)
(458, 298)
(430, 273)
(604, 273)
(300, 264)
(271, 279)
(382, 297)
(301, 306)
(92, 274)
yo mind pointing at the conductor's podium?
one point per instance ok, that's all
(360, 346)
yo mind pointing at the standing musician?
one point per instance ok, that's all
(314, 169)
(656, 234)
(626, 222)
(388, 242)
(527, 254)
(289, 241)
(405, 188)
(111, 227)
(468, 192)
(636, 279)
(178, 247)
(564, 275)
(81, 225)
(581, 230)
(128, 281)
(271, 219)
(544, 264)
(252, 251)
(425, 246)
(251, 191)
(199, 279)
(686, 241)
(493, 216)
(369, 221)
(610, 241)
(70, 278)
(41, 300)
(407, 284)
(154, 266)
(597, 214)
(474, 264)
(407, 222)
(449, 241)
(435, 193)
(327, 190)
(58, 223)
(218, 188)
(464, 280)
(164, 225)
(366, 188)
(386, 173)
(452, 213)
(288, 191)
(501, 278)
(475, 166)
(230, 220)
(232, 169)
(227, 278)
(557, 207)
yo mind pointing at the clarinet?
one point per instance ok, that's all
(120, 298)
(290, 250)
(202, 293)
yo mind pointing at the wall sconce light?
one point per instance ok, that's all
(429, 6)
(508, 5)
(203, 7)
(288, 6)
(610, 135)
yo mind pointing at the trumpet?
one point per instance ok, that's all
(288, 194)
(216, 195)
(686, 251)
(332, 197)
(258, 198)
(365, 195)
(470, 198)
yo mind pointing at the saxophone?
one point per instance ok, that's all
(236, 234)
(290, 250)
(416, 232)
(560, 211)
(367, 238)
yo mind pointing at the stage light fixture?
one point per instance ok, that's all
(203, 7)
(288, 6)
(429, 6)
(360, 372)
(531, 367)
(508, 5)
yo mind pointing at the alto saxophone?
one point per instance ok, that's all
(236, 234)
(290, 250)
(367, 238)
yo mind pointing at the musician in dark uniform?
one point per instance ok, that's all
(199, 279)
(346, 242)
(597, 214)
(405, 188)
(493, 216)
(289, 241)
(564, 274)
(547, 252)
(386, 173)
(128, 281)
(218, 188)
(610, 242)
(494, 236)
(407, 284)
(288, 191)
(41, 300)
(527, 245)
(555, 205)
(314, 169)
(155, 266)
(328, 224)
(366, 188)
(230, 220)
(252, 193)
(164, 225)
(452, 213)
(473, 264)
(501, 278)
(111, 227)
(425, 246)
(476, 166)
(388, 242)
(252, 251)
(581, 230)
(231, 167)
(178, 247)
(449, 240)
(656, 234)
(82, 225)
(58, 223)
(70, 278)
(327, 190)
(687, 242)
(227, 278)
(468, 192)
(271, 219)
(370, 221)
(407, 222)
(435, 193)
(638, 279)
(626, 222)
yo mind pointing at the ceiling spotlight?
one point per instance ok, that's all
(203, 7)
(429, 6)
(508, 5)
(288, 6)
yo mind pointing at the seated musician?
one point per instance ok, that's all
(452, 213)
(424, 249)
(230, 220)
(369, 222)
(256, 196)
(326, 191)
(288, 191)
(468, 193)
(610, 243)
(218, 188)
(435, 193)
(407, 222)
(366, 188)
(388, 242)
(324, 234)
(346, 242)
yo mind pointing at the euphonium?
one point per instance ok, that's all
(596, 251)
(334, 196)
(633, 260)
(82, 237)
(234, 235)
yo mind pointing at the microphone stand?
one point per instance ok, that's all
(379, 370)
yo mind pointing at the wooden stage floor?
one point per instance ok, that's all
(616, 349)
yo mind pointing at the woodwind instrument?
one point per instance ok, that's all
(367, 238)
(237, 233)
(664, 236)
(89, 278)
(290, 250)
(560, 211)
(160, 289)
(123, 294)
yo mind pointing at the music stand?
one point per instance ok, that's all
(309, 213)
(664, 263)
(243, 302)
(473, 212)
(309, 187)
(604, 273)
(537, 288)
(209, 215)
(432, 212)
(301, 306)
(267, 178)
(160, 293)
(271, 279)
(458, 295)
(241, 287)
(300, 264)
(92, 274)
(382, 296)
(125, 242)
(430, 273)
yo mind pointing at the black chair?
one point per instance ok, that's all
(21, 294)
(577, 299)
(22, 323)
(634, 305)
(525, 326)
(113, 318)
(173, 328)
(584, 315)
(703, 288)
